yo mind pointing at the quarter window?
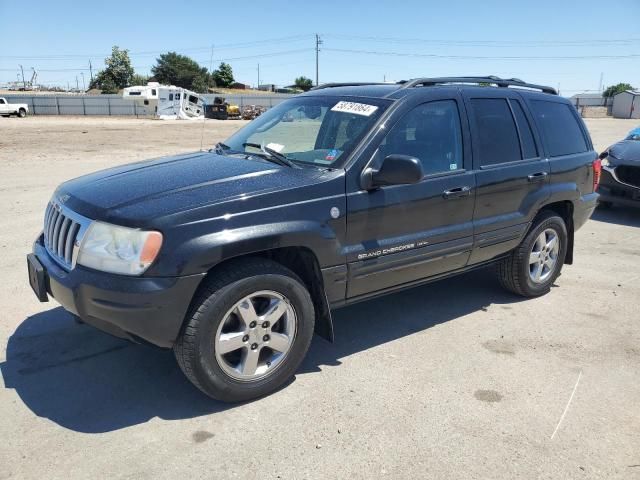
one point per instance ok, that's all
(431, 133)
(529, 149)
(497, 135)
(560, 128)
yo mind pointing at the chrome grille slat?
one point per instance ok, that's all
(52, 222)
(68, 248)
(56, 232)
(63, 231)
(64, 228)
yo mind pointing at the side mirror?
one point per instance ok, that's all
(395, 170)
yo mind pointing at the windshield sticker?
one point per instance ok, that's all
(353, 107)
(453, 166)
(332, 154)
(275, 146)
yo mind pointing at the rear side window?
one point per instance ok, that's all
(497, 135)
(560, 128)
(529, 149)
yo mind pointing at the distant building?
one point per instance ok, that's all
(267, 87)
(239, 86)
(589, 100)
(626, 104)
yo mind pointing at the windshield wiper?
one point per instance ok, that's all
(272, 155)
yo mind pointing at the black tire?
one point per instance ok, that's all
(513, 271)
(194, 349)
(22, 113)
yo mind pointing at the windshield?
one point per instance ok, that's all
(316, 130)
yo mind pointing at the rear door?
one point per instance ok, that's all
(511, 171)
(404, 233)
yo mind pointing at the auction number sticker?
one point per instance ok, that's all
(353, 107)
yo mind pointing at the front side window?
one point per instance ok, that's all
(2, 102)
(318, 130)
(431, 133)
(497, 136)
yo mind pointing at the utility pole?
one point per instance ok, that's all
(84, 87)
(318, 43)
(24, 84)
(91, 70)
(601, 79)
(77, 86)
(258, 87)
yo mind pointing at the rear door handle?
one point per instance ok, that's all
(537, 177)
(457, 192)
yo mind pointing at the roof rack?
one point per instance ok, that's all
(500, 82)
(348, 84)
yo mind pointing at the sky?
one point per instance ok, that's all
(562, 43)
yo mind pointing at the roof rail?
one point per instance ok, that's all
(491, 79)
(348, 84)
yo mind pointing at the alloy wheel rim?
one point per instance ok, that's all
(543, 257)
(255, 336)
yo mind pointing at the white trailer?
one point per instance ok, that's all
(144, 95)
(179, 103)
(167, 102)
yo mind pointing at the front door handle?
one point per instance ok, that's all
(457, 192)
(537, 177)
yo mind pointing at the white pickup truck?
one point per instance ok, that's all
(7, 109)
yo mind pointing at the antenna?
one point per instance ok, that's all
(204, 116)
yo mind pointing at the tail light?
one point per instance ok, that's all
(597, 171)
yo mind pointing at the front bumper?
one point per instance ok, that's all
(613, 191)
(147, 308)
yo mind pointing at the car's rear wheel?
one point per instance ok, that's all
(22, 113)
(248, 331)
(535, 264)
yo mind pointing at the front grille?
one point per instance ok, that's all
(62, 232)
(629, 175)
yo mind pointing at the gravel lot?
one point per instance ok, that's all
(463, 381)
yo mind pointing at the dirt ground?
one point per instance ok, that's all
(463, 381)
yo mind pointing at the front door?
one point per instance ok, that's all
(402, 234)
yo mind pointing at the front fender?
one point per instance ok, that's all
(205, 252)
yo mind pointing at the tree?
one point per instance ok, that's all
(615, 89)
(117, 74)
(223, 76)
(303, 83)
(139, 79)
(174, 69)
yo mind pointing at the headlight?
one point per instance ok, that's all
(115, 249)
(605, 162)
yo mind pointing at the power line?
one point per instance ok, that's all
(480, 57)
(229, 46)
(492, 43)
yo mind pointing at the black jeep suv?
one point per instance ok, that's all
(235, 256)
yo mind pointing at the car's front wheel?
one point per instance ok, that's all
(535, 264)
(247, 332)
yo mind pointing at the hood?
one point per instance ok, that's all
(173, 184)
(626, 152)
